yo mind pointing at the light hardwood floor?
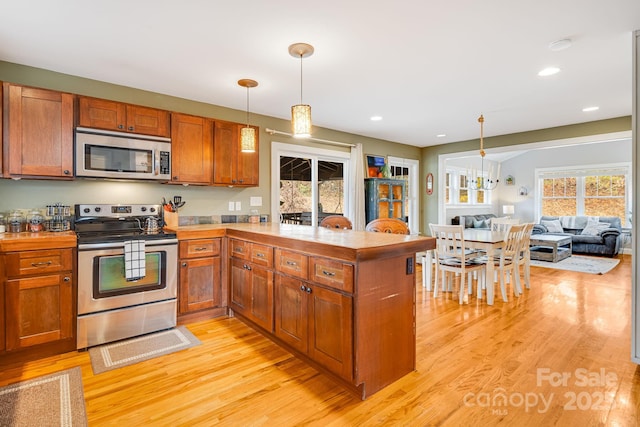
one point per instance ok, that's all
(476, 365)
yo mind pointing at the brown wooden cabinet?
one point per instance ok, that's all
(251, 282)
(231, 166)
(191, 149)
(39, 298)
(316, 320)
(199, 275)
(38, 129)
(117, 116)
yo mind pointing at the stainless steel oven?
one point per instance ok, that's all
(112, 306)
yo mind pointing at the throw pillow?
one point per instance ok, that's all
(594, 227)
(479, 223)
(553, 226)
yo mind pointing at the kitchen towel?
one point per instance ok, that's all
(134, 260)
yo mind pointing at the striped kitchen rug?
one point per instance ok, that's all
(133, 350)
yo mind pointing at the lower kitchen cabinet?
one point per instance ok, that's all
(38, 298)
(316, 321)
(200, 280)
(251, 284)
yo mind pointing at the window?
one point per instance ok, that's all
(459, 189)
(597, 191)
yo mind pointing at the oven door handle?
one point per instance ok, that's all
(106, 245)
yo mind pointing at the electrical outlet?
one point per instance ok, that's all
(231, 206)
(255, 201)
(238, 206)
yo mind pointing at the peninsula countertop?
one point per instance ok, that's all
(344, 244)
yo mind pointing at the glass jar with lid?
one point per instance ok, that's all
(14, 222)
(35, 221)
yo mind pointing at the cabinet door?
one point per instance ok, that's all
(200, 284)
(261, 287)
(331, 330)
(39, 310)
(225, 153)
(148, 121)
(40, 132)
(191, 149)
(291, 312)
(239, 287)
(101, 114)
(248, 163)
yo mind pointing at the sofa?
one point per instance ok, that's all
(473, 221)
(589, 235)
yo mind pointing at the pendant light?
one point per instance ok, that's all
(301, 113)
(247, 133)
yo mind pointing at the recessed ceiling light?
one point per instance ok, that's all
(376, 118)
(549, 71)
(560, 45)
(441, 135)
(587, 109)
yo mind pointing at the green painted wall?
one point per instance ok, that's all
(203, 200)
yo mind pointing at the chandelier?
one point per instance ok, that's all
(481, 180)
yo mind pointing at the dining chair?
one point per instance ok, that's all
(507, 264)
(451, 257)
(524, 257)
(336, 221)
(388, 225)
(502, 224)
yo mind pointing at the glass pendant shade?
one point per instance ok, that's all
(301, 121)
(248, 139)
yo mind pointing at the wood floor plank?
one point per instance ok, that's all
(476, 365)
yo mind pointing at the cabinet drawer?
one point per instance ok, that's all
(292, 263)
(240, 249)
(262, 255)
(36, 262)
(332, 273)
(199, 248)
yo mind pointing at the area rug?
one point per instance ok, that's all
(51, 400)
(127, 352)
(581, 263)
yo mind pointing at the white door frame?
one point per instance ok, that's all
(414, 189)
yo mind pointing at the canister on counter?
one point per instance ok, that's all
(14, 222)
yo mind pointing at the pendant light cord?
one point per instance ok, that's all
(300, 79)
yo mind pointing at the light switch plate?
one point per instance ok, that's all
(231, 206)
(238, 206)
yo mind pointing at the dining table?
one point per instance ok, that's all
(474, 238)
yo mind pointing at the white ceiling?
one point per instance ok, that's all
(427, 67)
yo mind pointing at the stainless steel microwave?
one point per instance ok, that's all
(104, 154)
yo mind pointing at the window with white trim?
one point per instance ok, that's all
(459, 189)
(591, 191)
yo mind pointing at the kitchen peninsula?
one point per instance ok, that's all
(341, 300)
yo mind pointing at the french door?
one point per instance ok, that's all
(308, 183)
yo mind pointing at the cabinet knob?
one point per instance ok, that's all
(120, 126)
(66, 172)
(175, 178)
(130, 127)
(67, 279)
(184, 264)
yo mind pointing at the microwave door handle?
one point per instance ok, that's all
(156, 161)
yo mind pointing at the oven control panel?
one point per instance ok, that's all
(117, 211)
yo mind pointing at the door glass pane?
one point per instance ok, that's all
(295, 189)
(330, 188)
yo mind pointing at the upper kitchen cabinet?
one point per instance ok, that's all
(231, 166)
(38, 133)
(117, 116)
(191, 149)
